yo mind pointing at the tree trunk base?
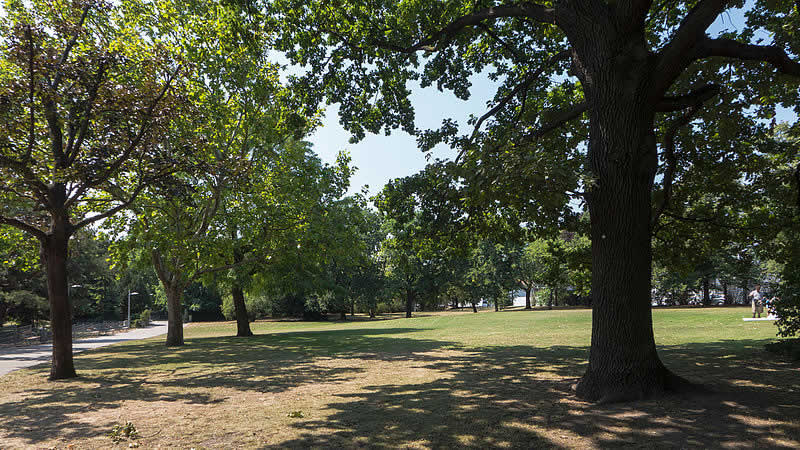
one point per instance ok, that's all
(62, 375)
(633, 386)
(246, 333)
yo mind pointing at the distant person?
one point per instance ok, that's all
(757, 301)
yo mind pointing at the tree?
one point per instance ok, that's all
(85, 97)
(614, 75)
(422, 214)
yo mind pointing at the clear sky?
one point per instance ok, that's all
(381, 158)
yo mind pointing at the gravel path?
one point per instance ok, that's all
(17, 358)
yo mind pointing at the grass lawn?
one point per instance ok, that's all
(438, 380)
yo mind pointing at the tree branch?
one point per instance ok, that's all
(521, 87)
(681, 102)
(31, 90)
(671, 160)
(74, 146)
(729, 48)
(131, 146)
(519, 57)
(445, 35)
(634, 11)
(113, 210)
(208, 270)
(68, 47)
(560, 118)
(28, 176)
(677, 54)
(26, 227)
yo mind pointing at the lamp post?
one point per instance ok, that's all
(129, 307)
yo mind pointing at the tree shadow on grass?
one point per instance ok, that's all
(518, 396)
(522, 397)
(149, 372)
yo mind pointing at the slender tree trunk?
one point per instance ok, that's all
(173, 287)
(725, 294)
(239, 306)
(352, 308)
(550, 299)
(54, 250)
(706, 291)
(174, 314)
(409, 303)
(474, 307)
(496, 305)
(528, 298)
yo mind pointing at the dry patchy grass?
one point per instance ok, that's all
(443, 380)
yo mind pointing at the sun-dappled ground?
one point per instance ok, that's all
(438, 380)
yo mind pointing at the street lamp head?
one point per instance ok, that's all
(76, 285)
(134, 293)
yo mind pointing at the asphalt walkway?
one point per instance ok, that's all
(12, 359)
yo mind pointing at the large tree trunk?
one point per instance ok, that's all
(239, 306)
(54, 252)
(623, 362)
(528, 298)
(706, 291)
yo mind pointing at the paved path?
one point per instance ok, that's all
(17, 358)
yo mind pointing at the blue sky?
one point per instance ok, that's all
(381, 158)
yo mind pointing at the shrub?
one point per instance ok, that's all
(144, 317)
(258, 307)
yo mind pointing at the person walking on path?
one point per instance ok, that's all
(757, 301)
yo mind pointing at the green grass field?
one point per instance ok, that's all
(438, 380)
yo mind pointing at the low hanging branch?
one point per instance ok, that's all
(522, 87)
(671, 160)
(560, 118)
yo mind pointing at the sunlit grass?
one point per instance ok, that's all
(437, 380)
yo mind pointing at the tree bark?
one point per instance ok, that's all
(474, 307)
(239, 306)
(528, 298)
(706, 291)
(725, 295)
(173, 287)
(409, 303)
(623, 361)
(174, 315)
(54, 250)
